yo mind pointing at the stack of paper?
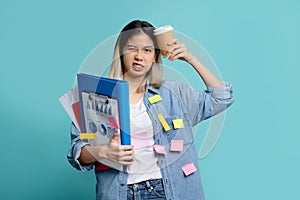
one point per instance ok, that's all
(70, 102)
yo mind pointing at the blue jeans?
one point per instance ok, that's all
(151, 189)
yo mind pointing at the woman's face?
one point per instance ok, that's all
(138, 56)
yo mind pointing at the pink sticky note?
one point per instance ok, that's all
(189, 168)
(112, 122)
(140, 140)
(176, 145)
(160, 149)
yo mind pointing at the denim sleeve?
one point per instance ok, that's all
(75, 150)
(208, 102)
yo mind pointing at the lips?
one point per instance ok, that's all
(137, 67)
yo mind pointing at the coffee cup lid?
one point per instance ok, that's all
(163, 29)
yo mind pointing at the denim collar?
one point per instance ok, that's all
(151, 88)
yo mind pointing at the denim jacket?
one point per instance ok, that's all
(179, 101)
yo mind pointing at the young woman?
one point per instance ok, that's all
(154, 169)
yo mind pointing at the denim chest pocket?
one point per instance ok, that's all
(184, 133)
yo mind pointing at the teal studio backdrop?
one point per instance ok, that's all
(255, 45)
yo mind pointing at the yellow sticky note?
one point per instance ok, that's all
(163, 122)
(154, 99)
(90, 136)
(178, 123)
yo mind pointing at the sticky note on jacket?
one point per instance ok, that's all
(189, 168)
(154, 99)
(163, 122)
(178, 123)
(176, 145)
(160, 149)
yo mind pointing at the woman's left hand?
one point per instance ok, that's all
(179, 51)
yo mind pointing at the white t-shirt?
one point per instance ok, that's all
(145, 165)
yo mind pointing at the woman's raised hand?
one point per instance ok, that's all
(179, 51)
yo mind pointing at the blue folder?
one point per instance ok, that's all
(112, 88)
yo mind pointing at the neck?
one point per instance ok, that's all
(134, 83)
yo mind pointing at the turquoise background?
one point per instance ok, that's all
(255, 45)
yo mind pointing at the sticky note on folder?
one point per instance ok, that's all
(113, 123)
(86, 136)
(154, 99)
(163, 122)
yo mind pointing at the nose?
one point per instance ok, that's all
(138, 55)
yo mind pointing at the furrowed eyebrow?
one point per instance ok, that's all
(130, 45)
(148, 46)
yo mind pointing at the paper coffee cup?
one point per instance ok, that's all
(164, 35)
